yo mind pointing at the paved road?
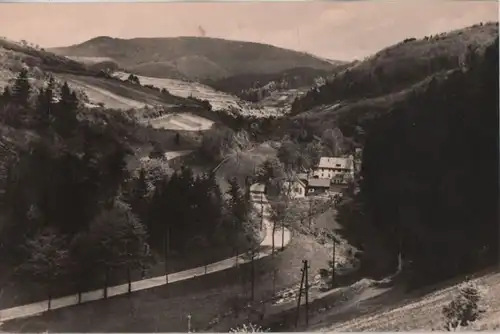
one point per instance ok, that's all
(40, 307)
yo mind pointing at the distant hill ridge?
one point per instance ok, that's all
(194, 58)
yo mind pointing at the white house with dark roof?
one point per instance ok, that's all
(337, 169)
(295, 188)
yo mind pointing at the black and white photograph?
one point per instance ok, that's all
(249, 166)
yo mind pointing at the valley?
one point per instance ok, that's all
(192, 183)
(219, 101)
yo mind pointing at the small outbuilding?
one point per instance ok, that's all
(318, 186)
(258, 188)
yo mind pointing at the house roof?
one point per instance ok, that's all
(319, 183)
(298, 180)
(337, 188)
(334, 162)
(258, 188)
(302, 176)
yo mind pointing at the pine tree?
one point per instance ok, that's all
(248, 328)
(66, 110)
(21, 89)
(139, 195)
(6, 95)
(238, 209)
(44, 106)
(465, 308)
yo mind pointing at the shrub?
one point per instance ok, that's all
(465, 308)
(248, 328)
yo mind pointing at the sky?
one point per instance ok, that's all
(332, 29)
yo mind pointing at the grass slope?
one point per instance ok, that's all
(422, 312)
(193, 57)
(240, 165)
(165, 309)
(121, 95)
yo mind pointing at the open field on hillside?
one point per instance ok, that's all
(218, 100)
(99, 95)
(90, 60)
(243, 164)
(122, 95)
(184, 121)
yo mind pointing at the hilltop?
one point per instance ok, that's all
(193, 58)
(16, 54)
(394, 69)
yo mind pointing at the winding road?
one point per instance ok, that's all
(57, 303)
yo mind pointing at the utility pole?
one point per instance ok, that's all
(129, 276)
(166, 245)
(129, 279)
(303, 271)
(236, 259)
(282, 236)
(79, 291)
(205, 256)
(261, 211)
(189, 323)
(106, 275)
(333, 262)
(283, 220)
(253, 274)
(49, 288)
(310, 212)
(274, 281)
(306, 269)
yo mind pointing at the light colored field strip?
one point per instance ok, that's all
(174, 154)
(188, 121)
(97, 94)
(182, 125)
(40, 307)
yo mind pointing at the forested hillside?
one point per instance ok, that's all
(430, 172)
(255, 87)
(397, 67)
(72, 212)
